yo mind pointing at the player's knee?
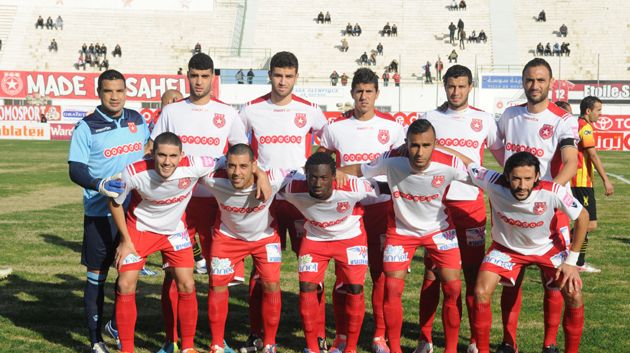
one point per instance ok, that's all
(125, 285)
(573, 299)
(270, 287)
(354, 288)
(308, 287)
(186, 285)
(483, 294)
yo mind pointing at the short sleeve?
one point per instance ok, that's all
(327, 141)
(245, 120)
(461, 173)
(376, 167)
(81, 144)
(368, 188)
(162, 123)
(587, 140)
(481, 176)
(493, 141)
(399, 138)
(567, 203)
(237, 131)
(319, 122)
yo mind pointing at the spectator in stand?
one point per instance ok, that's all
(453, 5)
(327, 17)
(49, 23)
(344, 79)
(40, 22)
(452, 57)
(250, 76)
(197, 48)
(386, 78)
(564, 49)
(320, 17)
(556, 49)
(462, 5)
(548, 49)
(59, 23)
(387, 30)
(542, 17)
(84, 48)
(53, 45)
(349, 31)
(42, 118)
(439, 66)
(117, 51)
(334, 78)
(364, 59)
(91, 48)
(104, 50)
(180, 71)
(396, 78)
(427, 72)
(564, 30)
(482, 36)
(460, 27)
(472, 37)
(393, 66)
(379, 48)
(373, 57)
(357, 30)
(462, 38)
(80, 62)
(240, 77)
(540, 49)
(97, 50)
(451, 33)
(0, 44)
(104, 65)
(344, 45)
(394, 30)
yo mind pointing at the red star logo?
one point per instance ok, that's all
(476, 125)
(342, 206)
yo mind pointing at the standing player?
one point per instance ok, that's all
(523, 213)
(362, 135)
(582, 183)
(103, 143)
(281, 124)
(334, 230)
(546, 131)
(205, 126)
(418, 182)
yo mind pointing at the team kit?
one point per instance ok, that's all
(204, 175)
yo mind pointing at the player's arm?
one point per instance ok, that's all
(263, 185)
(567, 273)
(569, 155)
(351, 169)
(461, 156)
(125, 247)
(591, 152)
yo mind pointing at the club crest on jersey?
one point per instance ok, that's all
(540, 207)
(383, 136)
(132, 127)
(343, 206)
(300, 120)
(546, 131)
(219, 120)
(437, 181)
(476, 125)
(184, 183)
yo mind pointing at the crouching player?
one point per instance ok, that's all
(334, 230)
(523, 208)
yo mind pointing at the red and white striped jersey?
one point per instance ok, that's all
(355, 141)
(205, 130)
(540, 134)
(337, 217)
(468, 132)
(417, 196)
(281, 134)
(527, 226)
(243, 216)
(158, 204)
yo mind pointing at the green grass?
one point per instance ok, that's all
(41, 307)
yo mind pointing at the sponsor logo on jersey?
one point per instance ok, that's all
(123, 149)
(279, 139)
(417, 198)
(328, 223)
(184, 183)
(518, 223)
(359, 157)
(242, 210)
(170, 201)
(219, 120)
(357, 255)
(12, 83)
(559, 258)
(437, 181)
(300, 120)
(395, 253)
(513, 147)
(446, 240)
(540, 207)
(546, 131)
(476, 125)
(500, 259)
(274, 252)
(458, 142)
(476, 236)
(207, 161)
(221, 266)
(567, 200)
(383, 136)
(343, 206)
(132, 127)
(306, 264)
(200, 140)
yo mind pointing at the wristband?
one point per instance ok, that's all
(572, 258)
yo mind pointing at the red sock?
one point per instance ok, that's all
(511, 299)
(126, 316)
(378, 299)
(451, 313)
(187, 313)
(255, 303)
(553, 303)
(429, 300)
(355, 311)
(470, 307)
(483, 323)
(217, 314)
(169, 308)
(339, 305)
(321, 298)
(272, 304)
(394, 288)
(309, 309)
(573, 324)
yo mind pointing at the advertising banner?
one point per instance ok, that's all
(29, 112)
(24, 130)
(61, 131)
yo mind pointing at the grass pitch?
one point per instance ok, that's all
(41, 306)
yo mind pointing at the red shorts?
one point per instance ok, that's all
(350, 255)
(375, 222)
(288, 218)
(440, 246)
(469, 218)
(201, 214)
(508, 263)
(228, 255)
(176, 249)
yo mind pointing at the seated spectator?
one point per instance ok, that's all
(180, 71)
(349, 31)
(357, 30)
(540, 49)
(393, 66)
(49, 23)
(250, 76)
(117, 51)
(548, 49)
(320, 17)
(240, 77)
(53, 45)
(84, 48)
(542, 17)
(104, 50)
(452, 57)
(40, 22)
(472, 37)
(59, 23)
(42, 118)
(394, 30)
(197, 48)
(451, 33)
(344, 79)
(373, 57)
(327, 17)
(97, 49)
(564, 30)
(462, 5)
(387, 30)
(364, 59)
(103, 65)
(379, 48)
(453, 5)
(564, 49)
(344, 45)
(556, 49)
(482, 36)
(334, 78)
(91, 48)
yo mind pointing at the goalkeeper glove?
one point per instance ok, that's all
(111, 186)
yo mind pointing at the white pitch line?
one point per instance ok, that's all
(620, 178)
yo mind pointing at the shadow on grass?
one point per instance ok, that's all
(54, 239)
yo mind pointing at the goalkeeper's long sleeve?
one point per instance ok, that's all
(80, 174)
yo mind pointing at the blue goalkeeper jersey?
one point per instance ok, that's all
(107, 146)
